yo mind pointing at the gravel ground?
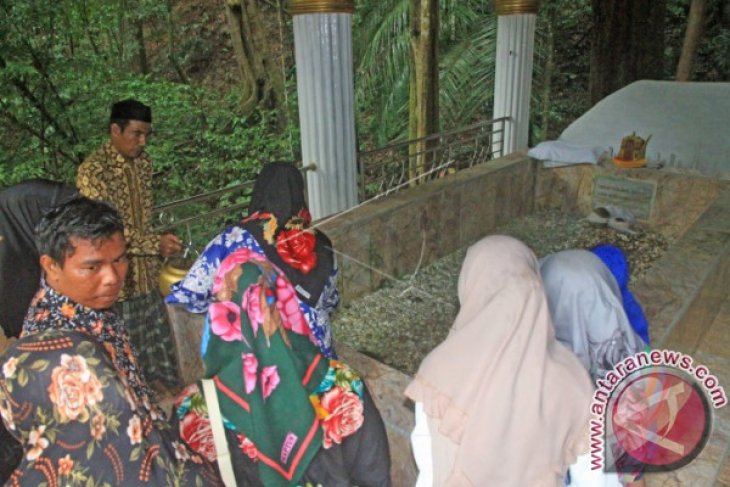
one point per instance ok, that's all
(400, 323)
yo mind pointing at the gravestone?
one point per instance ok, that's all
(634, 195)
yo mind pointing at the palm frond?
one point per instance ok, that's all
(467, 75)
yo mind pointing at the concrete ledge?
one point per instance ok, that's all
(392, 236)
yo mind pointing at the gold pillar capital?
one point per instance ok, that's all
(298, 7)
(511, 7)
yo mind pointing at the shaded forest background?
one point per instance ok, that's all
(220, 76)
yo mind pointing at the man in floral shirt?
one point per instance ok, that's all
(93, 419)
(120, 172)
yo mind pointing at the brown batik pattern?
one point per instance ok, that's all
(126, 184)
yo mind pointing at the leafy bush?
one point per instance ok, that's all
(63, 64)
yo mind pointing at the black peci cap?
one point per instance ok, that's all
(131, 110)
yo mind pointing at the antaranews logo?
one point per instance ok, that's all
(652, 412)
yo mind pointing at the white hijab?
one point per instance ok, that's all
(514, 401)
(586, 307)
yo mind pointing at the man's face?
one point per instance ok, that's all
(131, 141)
(93, 275)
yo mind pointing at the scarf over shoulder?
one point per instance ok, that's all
(50, 310)
(276, 390)
(278, 229)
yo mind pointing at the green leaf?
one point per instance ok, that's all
(22, 377)
(135, 454)
(40, 365)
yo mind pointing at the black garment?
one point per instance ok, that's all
(11, 453)
(22, 206)
(363, 458)
(279, 190)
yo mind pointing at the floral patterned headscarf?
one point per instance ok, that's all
(283, 398)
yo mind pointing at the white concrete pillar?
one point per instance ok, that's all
(513, 76)
(323, 55)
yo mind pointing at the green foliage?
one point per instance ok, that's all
(53, 58)
(713, 55)
(381, 50)
(563, 91)
(199, 143)
(62, 65)
(467, 74)
(466, 65)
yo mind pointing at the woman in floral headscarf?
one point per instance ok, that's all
(292, 413)
(278, 229)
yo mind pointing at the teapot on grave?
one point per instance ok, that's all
(632, 152)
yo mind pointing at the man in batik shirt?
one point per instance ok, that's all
(120, 172)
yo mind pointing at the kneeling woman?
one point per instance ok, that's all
(504, 403)
(287, 411)
(586, 306)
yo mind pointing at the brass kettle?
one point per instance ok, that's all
(172, 271)
(633, 148)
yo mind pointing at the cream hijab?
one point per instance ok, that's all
(514, 401)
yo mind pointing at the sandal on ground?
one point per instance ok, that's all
(621, 225)
(599, 216)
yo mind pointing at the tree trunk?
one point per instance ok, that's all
(83, 11)
(692, 38)
(261, 78)
(548, 71)
(423, 109)
(627, 44)
(142, 52)
(122, 26)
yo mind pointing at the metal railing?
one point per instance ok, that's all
(197, 218)
(182, 212)
(419, 160)
(385, 169)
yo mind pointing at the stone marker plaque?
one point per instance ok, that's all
(633, 194)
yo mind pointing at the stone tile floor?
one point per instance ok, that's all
(698, 324)
(704, 333)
